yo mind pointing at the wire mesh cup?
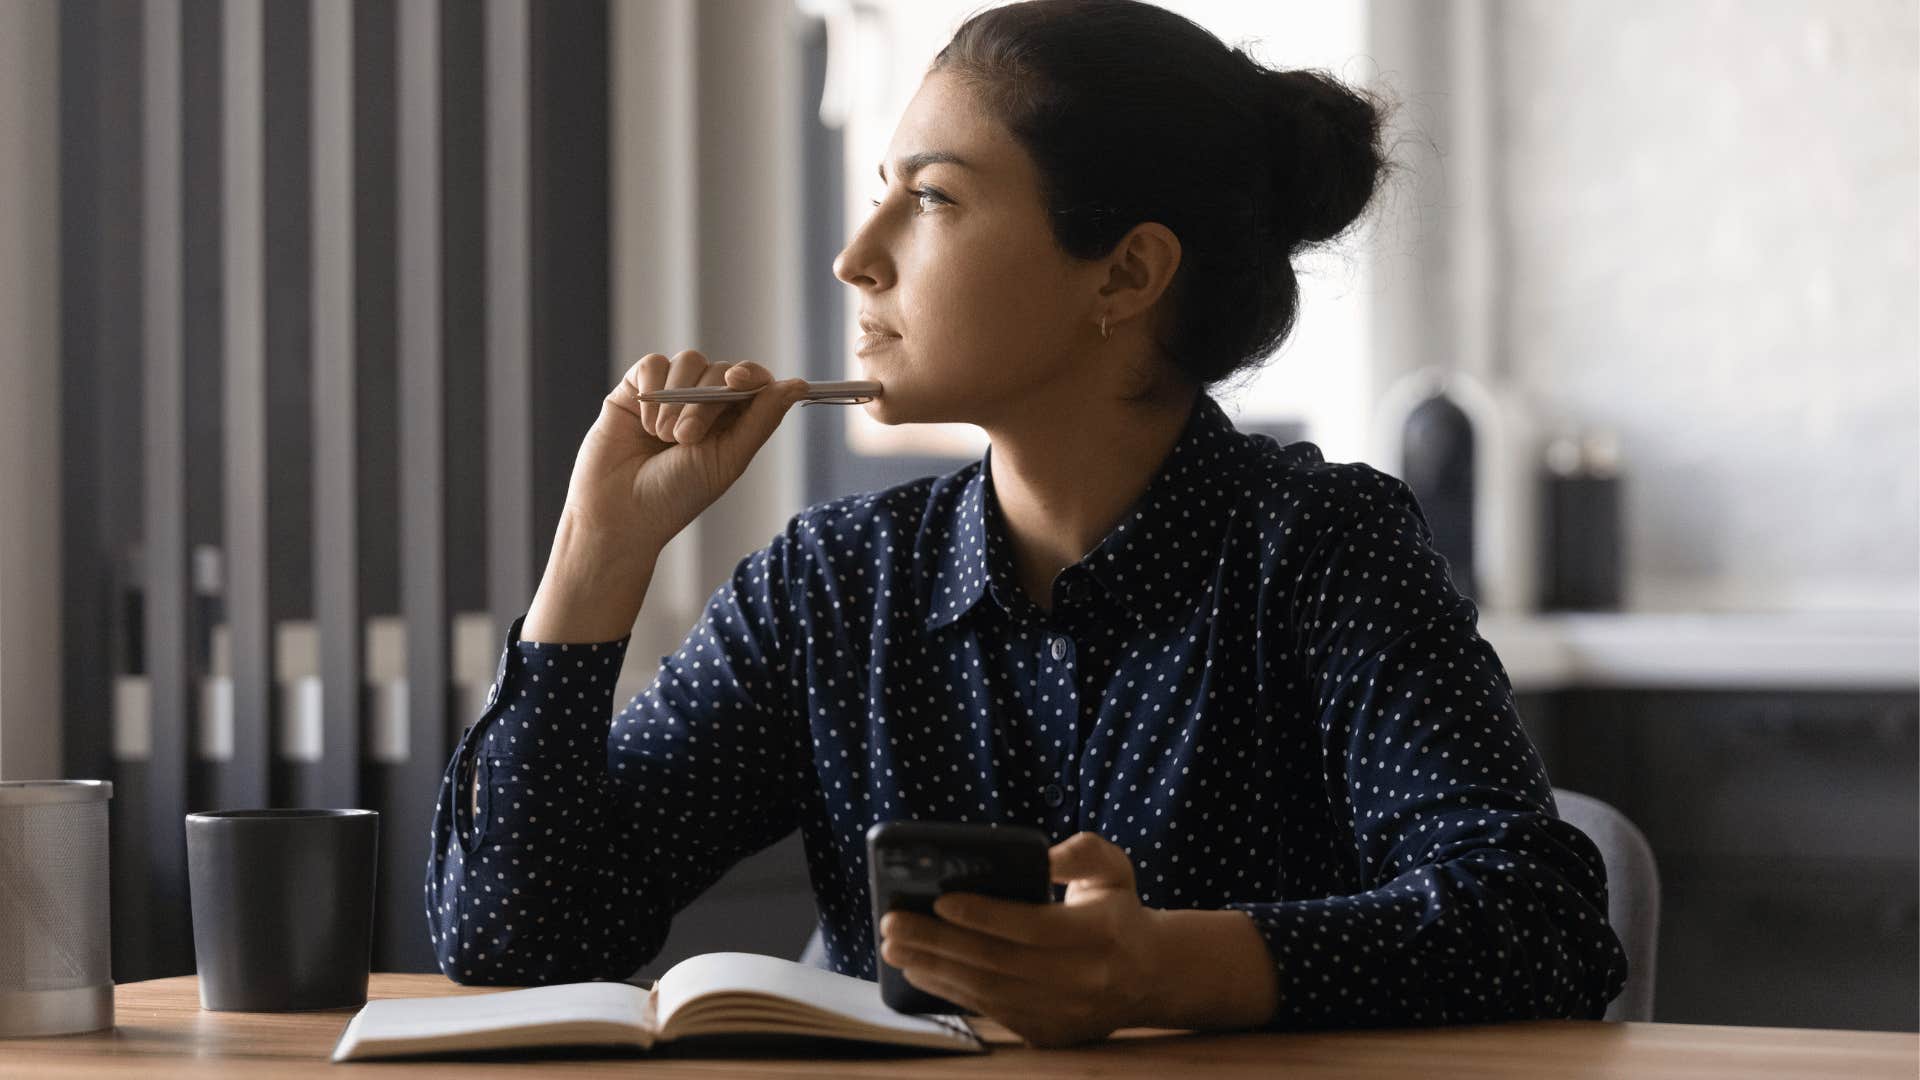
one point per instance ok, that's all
(55, 939)
(282, 907)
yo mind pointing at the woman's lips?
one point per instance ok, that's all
(869, 342)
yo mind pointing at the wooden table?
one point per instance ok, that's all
(162, 1032)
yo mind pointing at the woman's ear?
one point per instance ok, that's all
(1139, 270)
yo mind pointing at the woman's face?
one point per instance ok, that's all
(958, 260)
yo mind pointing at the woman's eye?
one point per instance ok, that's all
(920, 193)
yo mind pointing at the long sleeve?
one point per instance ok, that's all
(593, 832)
(1478, 902)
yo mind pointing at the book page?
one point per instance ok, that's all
(454, 1018)
(854, 999)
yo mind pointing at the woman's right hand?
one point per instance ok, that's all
(646, 470)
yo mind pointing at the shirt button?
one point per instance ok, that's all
(1055, 794)
(1059, 648)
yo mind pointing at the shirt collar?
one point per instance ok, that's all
(1157, 562)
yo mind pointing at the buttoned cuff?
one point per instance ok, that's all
(1308, 942)
(550, 699)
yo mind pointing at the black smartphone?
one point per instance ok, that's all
(911, 863)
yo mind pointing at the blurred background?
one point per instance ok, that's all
(305, 305)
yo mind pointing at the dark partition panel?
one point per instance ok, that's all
(248, 597)
(335, 280)
(171, 700)
(406, 785)
(286, 147)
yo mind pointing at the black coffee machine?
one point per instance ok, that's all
(1469, 453)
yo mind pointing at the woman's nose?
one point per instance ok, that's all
(862, 262)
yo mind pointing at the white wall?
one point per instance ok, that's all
(29, 391)
(1710, 220)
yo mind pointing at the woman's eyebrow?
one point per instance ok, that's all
(913, 163)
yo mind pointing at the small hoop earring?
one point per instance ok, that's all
(1103, 328)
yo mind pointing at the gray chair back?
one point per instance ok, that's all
(816, 952)
(1633, 894)
(1633, 898)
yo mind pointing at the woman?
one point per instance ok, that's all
(1232, 681)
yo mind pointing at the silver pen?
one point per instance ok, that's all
(847, 392)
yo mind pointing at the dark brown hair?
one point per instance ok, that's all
(1133, 113)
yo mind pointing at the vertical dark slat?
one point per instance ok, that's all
(121, 26)
(377, 66)
(375, 320)
(202, 345)
(463, 241)
(164, 440)
(286, 174)
(508, 311)
(568, 250)
(250, 639)
(100, 496)
(336, 522)
(85, 583)
(423, 503)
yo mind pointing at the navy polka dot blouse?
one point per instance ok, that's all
(1262, 685)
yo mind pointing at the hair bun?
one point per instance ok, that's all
(1133, 115)
(1326, 156)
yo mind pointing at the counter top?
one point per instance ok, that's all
(1733, 650)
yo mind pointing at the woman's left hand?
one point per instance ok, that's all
(1054, 974)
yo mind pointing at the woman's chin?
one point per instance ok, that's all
(883, 410)
(901, 404)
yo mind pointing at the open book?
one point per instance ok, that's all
(721, 993)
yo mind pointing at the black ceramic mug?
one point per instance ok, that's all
(282, 907)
